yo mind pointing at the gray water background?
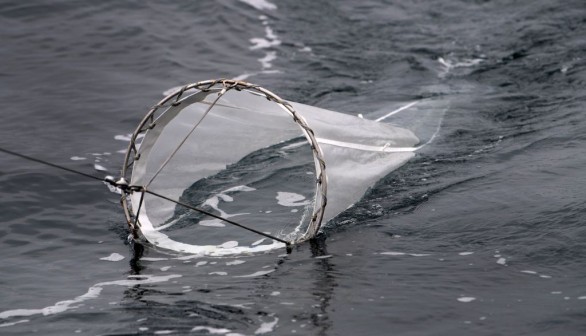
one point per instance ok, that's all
(481, 234)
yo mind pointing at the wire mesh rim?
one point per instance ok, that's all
(132, 153)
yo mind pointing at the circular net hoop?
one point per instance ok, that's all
(218, 88)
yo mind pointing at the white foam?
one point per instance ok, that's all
(165, 268)
(449, 65)
(466, 299)
(8, 324)
(267, 59)
(502, 261)
(260, 4)
(465, 253)
(99, 167)
(77, 158)
(218, 273)
(239, 188)
(121, 137)
(289, 199)
(267, 327)
(229, 244)
(211, 330)
(200, 263)
(262, 43)
(164, 332)
(214, 202)
(161, 240)
(459, 64)
(255, 274)
(258, 241)
(268, 42)
(535, 273)
(234, 262)
(92, 293)
(275, 293)
(393, 253)
(271, 71)
(269, 33)
(212, 223)
(113, 257)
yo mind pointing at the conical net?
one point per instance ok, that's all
(241, 153)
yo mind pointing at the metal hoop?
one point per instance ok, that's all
(148, 122)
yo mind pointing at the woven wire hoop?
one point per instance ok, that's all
(223, 85)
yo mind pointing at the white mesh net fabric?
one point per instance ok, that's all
(358, 152)
(242, 156)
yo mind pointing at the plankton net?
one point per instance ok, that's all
(223, 152)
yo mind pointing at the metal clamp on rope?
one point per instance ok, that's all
(121, 184)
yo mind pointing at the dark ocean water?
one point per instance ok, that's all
(483, 233)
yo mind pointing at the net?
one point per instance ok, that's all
(237, 151)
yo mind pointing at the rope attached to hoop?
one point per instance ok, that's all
(123, 185)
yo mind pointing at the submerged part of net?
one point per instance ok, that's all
(238, 151)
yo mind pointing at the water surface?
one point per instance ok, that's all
(482, 233)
